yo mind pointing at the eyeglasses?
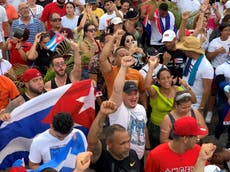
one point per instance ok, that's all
(59, 64)
(91, 30)
(56, 20)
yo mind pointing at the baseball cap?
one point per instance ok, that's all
(116, 20)
(30, 74)
(212, 168)
(152, 52)
(227, 5)
(168, 36)
(130, 86)
(188, 126)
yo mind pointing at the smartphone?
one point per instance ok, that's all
(134, 43)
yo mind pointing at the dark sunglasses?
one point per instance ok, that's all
(91, 30)
(56, 20)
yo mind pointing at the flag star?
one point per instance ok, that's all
(88, 100)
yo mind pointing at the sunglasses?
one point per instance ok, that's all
(59, 64)
(56, 20)
(91, 30)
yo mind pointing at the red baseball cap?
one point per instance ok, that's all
(30, 74)
(188, 126)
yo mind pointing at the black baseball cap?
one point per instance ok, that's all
(130, 86)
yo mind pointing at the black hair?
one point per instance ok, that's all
(25, 35)
(132, 13)
(223, 25)
(44, 35)
(117, 49)
(226, 18)
(105, 1)
(86, 26)
(162, 70)
(69, 2)
(63, 123)
(122, 43)
(79, 19)
(164, 7)
(124, 1)
(102, 37)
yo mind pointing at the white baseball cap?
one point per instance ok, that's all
(211, 168)
(168, 36)
(227, 5)
(116, 20)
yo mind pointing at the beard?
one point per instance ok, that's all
(35, 91)
(61, 3)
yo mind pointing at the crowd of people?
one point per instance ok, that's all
(161, 69)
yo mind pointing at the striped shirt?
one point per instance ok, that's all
(35, 26)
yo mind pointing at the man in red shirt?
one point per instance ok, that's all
(181, 153)
(54, 7)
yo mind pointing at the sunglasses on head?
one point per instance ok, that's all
(91, 30)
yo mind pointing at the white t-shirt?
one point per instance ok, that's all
(205, 71)
(45, 146)
(104, 20)
(69, 23)
(37, 13)
(214, 45)
(4, 66)
(187, 5)
(134, 120)
(156, 36)
(144, 70)
(224, 69)
(3, 18)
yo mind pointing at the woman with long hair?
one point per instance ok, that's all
(161, 98)
(39, 53)
(69, 20)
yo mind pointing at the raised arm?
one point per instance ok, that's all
(148, 79)
(32, 54)
(94, 143)
(206, 152)
(119, 82)
(187, 87)
(183, 24)
(107, 50)
(75, 74)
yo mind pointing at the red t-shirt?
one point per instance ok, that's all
(15, 57)
(49, 9)
(163, 159)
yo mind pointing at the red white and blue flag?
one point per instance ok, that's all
(54, 41)
(34, 116)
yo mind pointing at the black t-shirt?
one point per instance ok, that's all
(177, 62)
(106, 163)
(43, 60)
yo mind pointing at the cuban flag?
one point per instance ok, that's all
(34, 116)
(54, 41)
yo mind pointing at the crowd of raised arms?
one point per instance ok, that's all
(160, 68)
